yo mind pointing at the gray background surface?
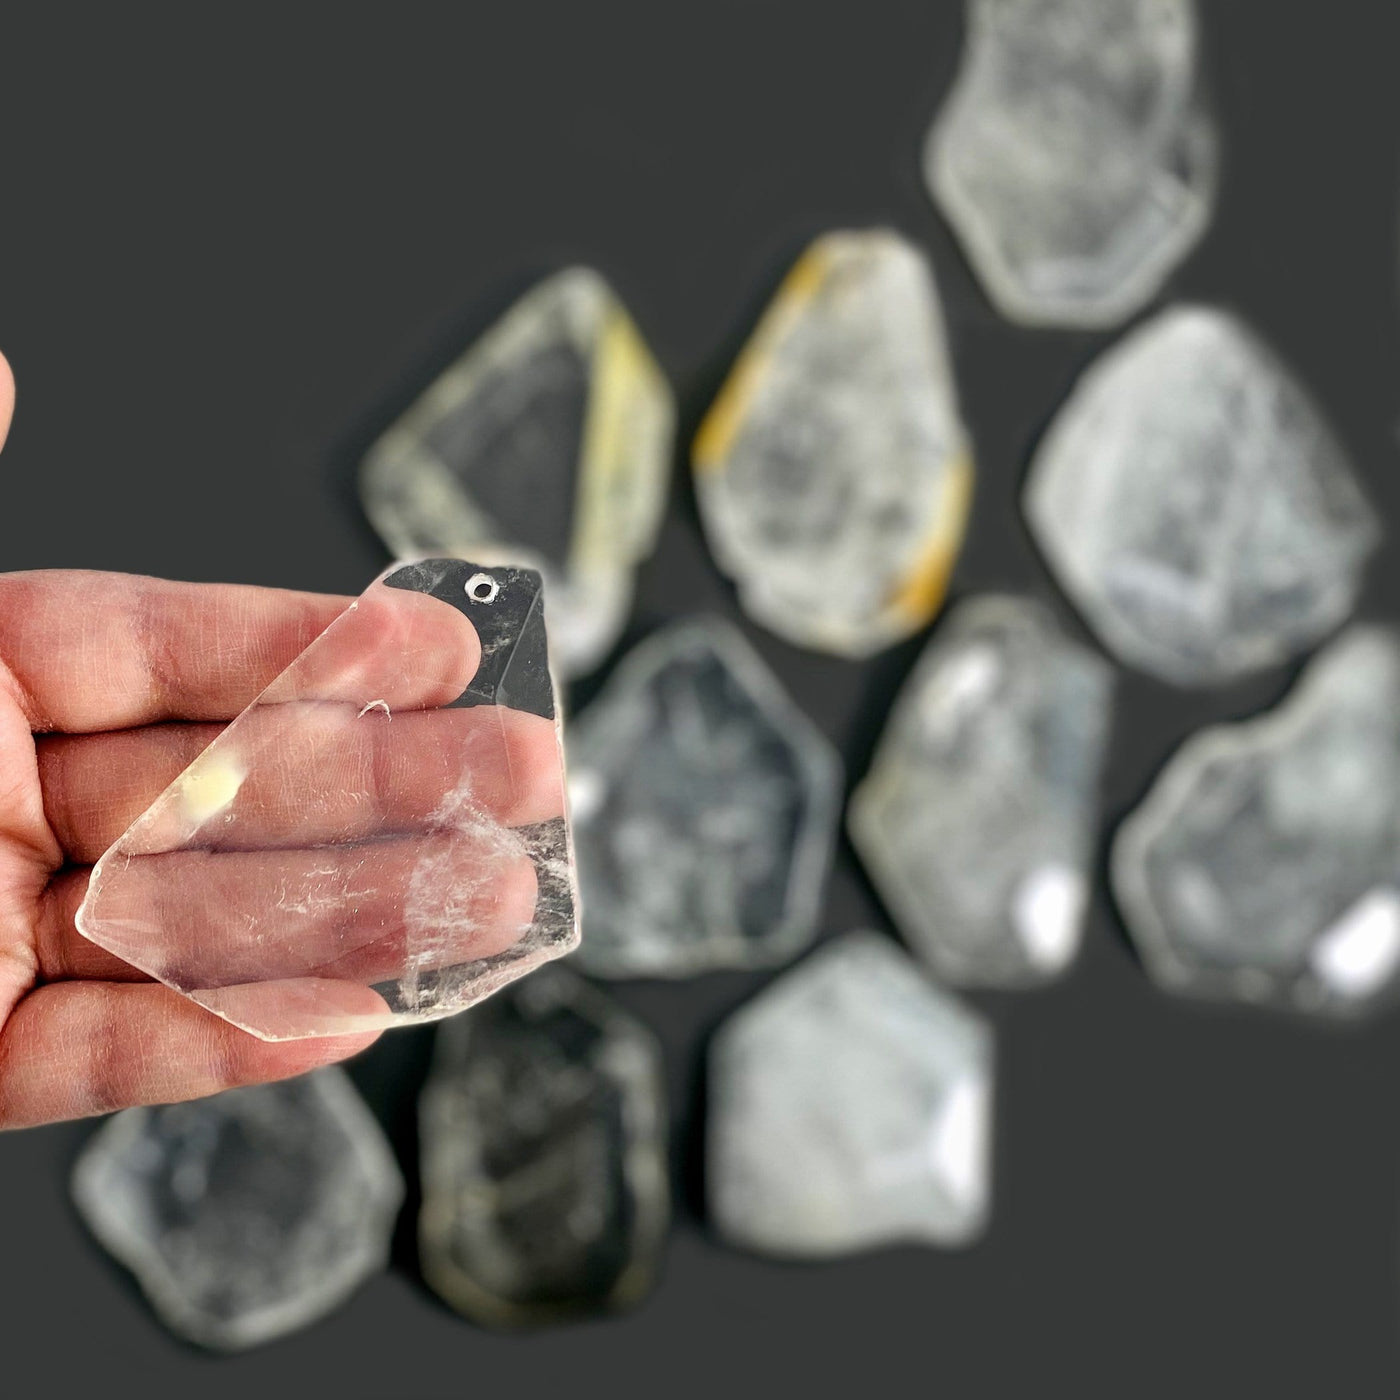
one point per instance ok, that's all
(234, 241)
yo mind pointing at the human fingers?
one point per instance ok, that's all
(79, 1048)
(93, 651)
(376, 912)
(314, 774)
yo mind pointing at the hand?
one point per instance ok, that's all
(109, 685)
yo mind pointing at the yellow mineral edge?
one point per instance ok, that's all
(794, 295)
(624, 453)
(921, 594)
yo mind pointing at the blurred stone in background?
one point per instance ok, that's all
(1073, 157)
(543, 1130)
(978, 818)
(547, 443)
(704, 806)
(833, 470)
(850, 1106)
(1195, 506)
(1265, 862)
(248, 1215)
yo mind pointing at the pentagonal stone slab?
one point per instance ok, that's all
(850, 1106)
(248, 1215)
(833, 470)
(547, 443)
(1265, 862)
(380, 838)
(976, 821)
(1195, 506)
(1074, 158)
(704, 804)
(544, 1156)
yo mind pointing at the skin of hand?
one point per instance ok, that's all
(84, 654)
(109, 684)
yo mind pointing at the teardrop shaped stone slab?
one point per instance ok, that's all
(833, 471)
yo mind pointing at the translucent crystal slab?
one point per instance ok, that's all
(1195, 506)
(248, 1215)
(833, 471)
(1265, 862)
(379, 838)
(977, 820)
(850, 1106)
(704, 805)
(543, 1130)
(1074, 158)
(548, 443)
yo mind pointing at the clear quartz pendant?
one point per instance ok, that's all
(379, 839)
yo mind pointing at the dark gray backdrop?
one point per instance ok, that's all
(234, 240)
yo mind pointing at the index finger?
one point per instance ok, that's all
(84, 651)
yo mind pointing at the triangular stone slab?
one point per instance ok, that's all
(548, 442)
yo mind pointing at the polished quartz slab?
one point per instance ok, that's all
(1264, 864)
(543, 1130)
(1194, 504)
(548, 442)
(850, 1107)
(705, 804)
(833, 471)
(248, 1215)
(977, 818)
(379, 839)
(1074, 157)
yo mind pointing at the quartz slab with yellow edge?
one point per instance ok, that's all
(833, 471)
(547, 443)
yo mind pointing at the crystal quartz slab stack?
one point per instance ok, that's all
(1265, 862)
(543, 1129)
(850, 1106)
(248, 1215)
(833, 471)
(977, 819)
(1194, 505)
(547, 443)
(379, 839)
(704, 808)
(1074, 158)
